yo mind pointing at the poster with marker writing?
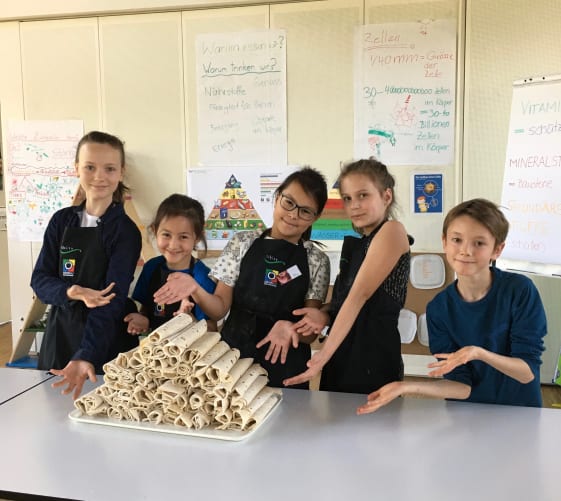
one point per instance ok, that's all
(41, 177)
(241, 98)
(405, 92)
(531, 194)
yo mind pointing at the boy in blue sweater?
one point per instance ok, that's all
(486, 329)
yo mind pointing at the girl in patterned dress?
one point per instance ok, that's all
(363, 348)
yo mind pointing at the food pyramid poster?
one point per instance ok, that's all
(232, 211)
(333, 223)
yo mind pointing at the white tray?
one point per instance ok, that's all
(232, 435)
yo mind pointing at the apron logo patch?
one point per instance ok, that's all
(68, 267)
(271, 277)
(160, 310)
(275, 278)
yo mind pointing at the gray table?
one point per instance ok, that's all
(16, 381)
(314, 447)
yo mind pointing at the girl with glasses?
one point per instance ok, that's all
(363, 349)
(262, 277)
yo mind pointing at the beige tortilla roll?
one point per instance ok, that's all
(177, 344)
(199, 381)
(200, 419)
(224, 418)
(184, 419)
(138, 414)
(137, 361)
(123, 359)
(219, 370)
(239, 401)
(147, 382)
(171, 327)
(156, 416)
(247, 378)
(245, 419)
(92, 404)
(201, 346)
(202, 364)
(196, 400)
(224, 389)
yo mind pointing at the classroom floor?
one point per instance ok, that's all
(551, 393)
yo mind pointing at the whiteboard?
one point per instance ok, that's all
(531, 194)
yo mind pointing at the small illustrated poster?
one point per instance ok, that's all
(40, 173)
(427, 193)
(333, 223)
(235, 199)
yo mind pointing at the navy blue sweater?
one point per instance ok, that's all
(510, 320)
(122, 243)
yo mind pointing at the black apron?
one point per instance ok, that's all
(370, 355)
(259, 300)
(161, 313)
(82, 261)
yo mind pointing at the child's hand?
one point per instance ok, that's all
(74, 375)
(185, 307)
(312, 322)
(137, 323)
(381, 397)
(91, 297)
(447, 362)
(281, 337)
(178, 286)
(315, 365)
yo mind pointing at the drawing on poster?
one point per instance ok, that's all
(404, 92)
(244, 192)
(233, 211)
(40, 173)
(333, 223)
(427, 193)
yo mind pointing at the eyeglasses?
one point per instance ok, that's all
(289, 205)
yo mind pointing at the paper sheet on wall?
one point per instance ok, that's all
(532, 174)
(235, 198)
(241, 98)
(40, 173)
(405, 92)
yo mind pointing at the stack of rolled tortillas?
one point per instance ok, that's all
(183, 375)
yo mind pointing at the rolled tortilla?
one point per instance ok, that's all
(242, 400)
(224, 389)
(247, 378)
(201, 346)
(177, 344)
(171, 327)
(202, 364)
(219, 370)
(246, 419)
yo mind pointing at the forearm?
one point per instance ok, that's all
(212, 305)
(513, 367)
(436, 389)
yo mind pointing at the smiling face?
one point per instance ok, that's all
(100, 171)
(176, 240)
(364, 204)
(470, 247)
(287, 224)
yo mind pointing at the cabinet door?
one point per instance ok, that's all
(142, 94)
(61, 71)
